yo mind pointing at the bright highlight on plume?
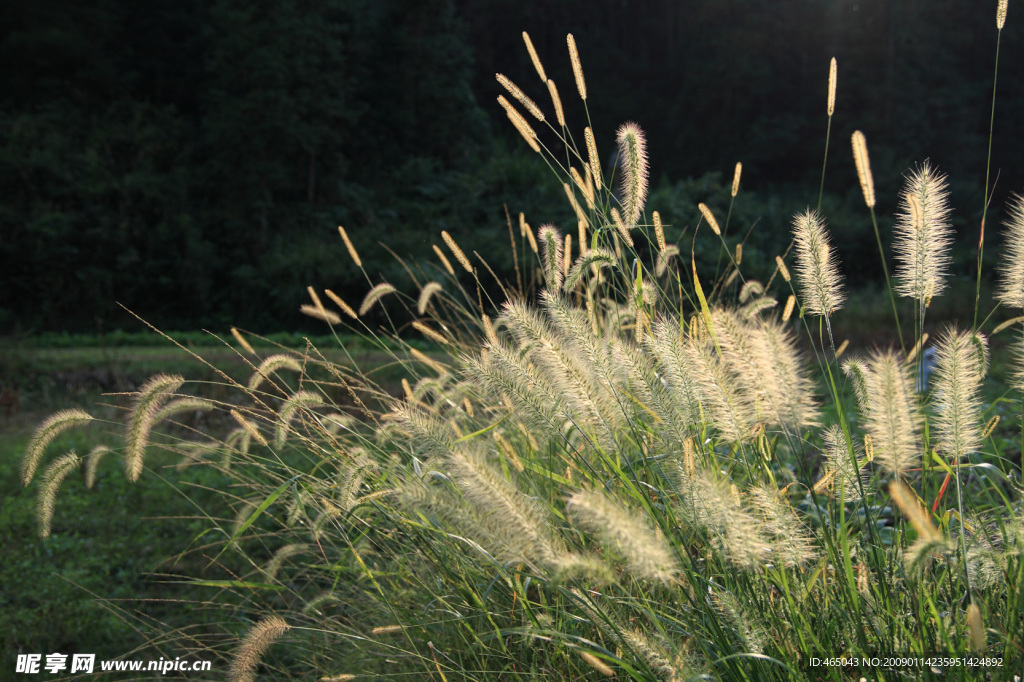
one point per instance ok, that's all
(817, 266)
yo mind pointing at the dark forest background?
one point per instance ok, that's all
(193, 159)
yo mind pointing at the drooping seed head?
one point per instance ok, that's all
(860, 157)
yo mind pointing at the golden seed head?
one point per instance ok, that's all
(556, 102)
(514, 90)
(520, 124)
(444, 259)
(388, 629)
(917, 347)
(320, 314)
(790, 304)
(781, 265)
(567, 255)
(595, 161)
(974, 624)
(375, 294)
(659, 231)
(492, 336)
(990, 426)
(736, 178)
(348, 245)
(739, 253)
(580, 215)
(842, 348)
(429, 333)
(522, 224)
(633, 156)
(530, 238)
(908, 503)
(623, 230)
(577, 67)
(832, 87)
(1001, 14)
(345, 308)
(533, 56)
(241, 341)
(1007, 324)
(597, 664)
(582, 229)
(407, 389)
(709, 217)
(860, 157)
(456, 251)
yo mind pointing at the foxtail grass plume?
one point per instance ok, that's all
(781, 266)
(736, 179)
(375, 294)
(259, 638)
(426, 293)
(922, 236)
(577, 67)
(520, 124)
(556, 102)
(456, 251)
(348, 245)
(338, 301)
(974, 624)
(533, 57)
(92, 461)
(52, 478)
(816, 265)
(430, 333)
(51, 427)
(889, 405)
(150, 398)
(1011, 282)
(832, 87)
(242, 341)
(595, 160)
(739, 253)
(709, 217)
(908, 504)
(272, 364)
(249, 427)
(961, 360)
(519, 95)
(790, 303)
(320, 313)
(581, 227)
(842, 348)
(551, 255)
(444, 259)
(1001, 14)
(860, 157)
(597, 664)
(633, 154)
(659, 231)
(566, 255)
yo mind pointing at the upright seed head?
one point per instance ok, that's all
(1001, 14)
(556, 102)
(566, 256)
(582, 230)
(781, 265)
(659, 232)
(621, 227)
(974, 623)
(577, 67)
(533, 56)
(842, 348)
(816, 265)
(736, 178)
(911, 508)
(633, 153)
(832, 87)
(790, 303)
(1011, 281)
(345, 308)
(595, 161)
(860, 157)
(348, 245)
(739, 253)
(923, 235)
(709, 217)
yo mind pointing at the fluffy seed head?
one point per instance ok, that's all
(974, 623)
(375, 294)
(426, 293)
(860, 157)
(633, 153)
(736, 178)
(1001, 14)
(533, 56)
(348, 245)
(891, 412)
(556, 102)
(816, 265)
(832, 87)
(577, 67)
(922, 236)
(147, 403)
(1011, 281)
(551, 255)
(709, 217)
(338, 301)
(52, 478)
(456, 251)
(52, 427)
(595, 161)
(256, 642)
(961, 360)
(620, 225)
(912, 509)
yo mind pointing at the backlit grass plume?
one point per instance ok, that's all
(922, 235)
(889, 405)
(1011, 283)
(52, 478)
(817, 266)
(51, 427)
(961, 360)
(259, 638)
(633, 156)
(375, 294)
(150, 398)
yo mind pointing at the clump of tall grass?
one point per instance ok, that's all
(635, 474)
